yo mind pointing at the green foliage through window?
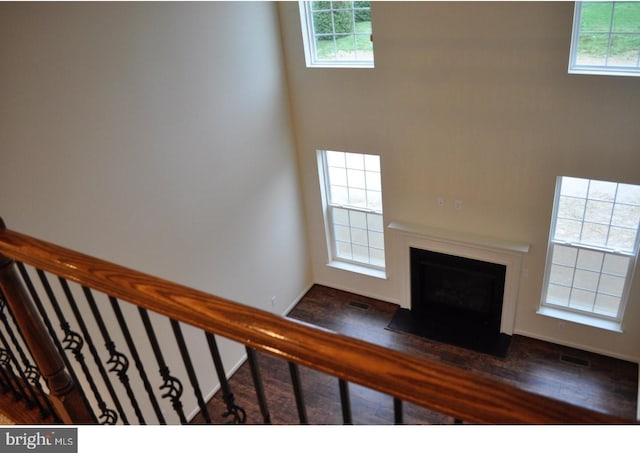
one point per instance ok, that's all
(606, 38)
(338, 33)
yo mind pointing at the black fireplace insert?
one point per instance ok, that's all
(456, 300)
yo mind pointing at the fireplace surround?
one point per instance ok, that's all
(458, 288)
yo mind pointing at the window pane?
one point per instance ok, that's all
(561, 275)
(586, 280)
(602, 190)
(360, 253)
(611, 285)
(574, 187)
(606, 305)
(624, 51)
(358, 219)
(338, 176)
(335, 158)
(616, 265)
(375, 222)
(340, 216)
(338, 195)
(582, 300)
(376, 240)
(373, 181)
(372, 163)
(626, 216)
(357, 197)
(622, 239)
(343, 250)
(628, 194)
(590, 260)
(598, 211)
(355, 161)
(359, 236)
(356, 178)
(626, 17)
(596, 16)
(564, 255)
(342, 233)
(377, 257)
(374, 200)
(571, 208)
(558, 295)
(568, 230)
(594, 234)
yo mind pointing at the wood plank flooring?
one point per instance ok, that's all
(597, 382)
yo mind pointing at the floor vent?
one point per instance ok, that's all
(574, 360)
(359, 305)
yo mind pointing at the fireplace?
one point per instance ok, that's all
(457, 288)
(457, 300)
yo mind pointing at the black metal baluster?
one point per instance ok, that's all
(47, 322)
(33, 376)
(257, 384)
(239, 415)
(170, 383)
(136, 359)
(191, 373)
(118, 361)
(297, 390)
(10, 377)
(345, 402)
(73, 342)
(30, 395)
(31, 372)
(397, 411)
(5, 386)
(94, 352)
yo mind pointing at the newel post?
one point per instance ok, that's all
(64, 394)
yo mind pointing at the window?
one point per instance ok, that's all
(606, 38)
(352, 194)
(337, 34)
(593, 247)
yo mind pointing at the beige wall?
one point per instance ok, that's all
(157, 136)
(470, 101)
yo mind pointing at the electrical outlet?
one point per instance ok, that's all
(273, 301)
(457, 204)
(440, 201)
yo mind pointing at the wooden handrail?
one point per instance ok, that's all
(424, 382)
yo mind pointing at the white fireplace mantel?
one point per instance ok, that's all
(481, 248)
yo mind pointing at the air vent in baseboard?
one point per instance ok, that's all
(574, 360)
(359, 305)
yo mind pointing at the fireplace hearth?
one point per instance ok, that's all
(455, 300)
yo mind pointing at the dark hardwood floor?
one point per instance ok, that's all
(597, 382)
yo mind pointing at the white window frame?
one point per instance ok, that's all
(597, 69)
(310, 51)
(583, 316)
(329, 207)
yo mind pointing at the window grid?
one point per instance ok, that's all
(597, 285)
(355, 222)
(620, 47)
(596, 290)
(359, 54)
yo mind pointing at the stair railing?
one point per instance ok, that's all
(80, 390)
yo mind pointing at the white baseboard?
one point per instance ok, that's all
(582, 347)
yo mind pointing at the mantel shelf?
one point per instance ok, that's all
(459, 237)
